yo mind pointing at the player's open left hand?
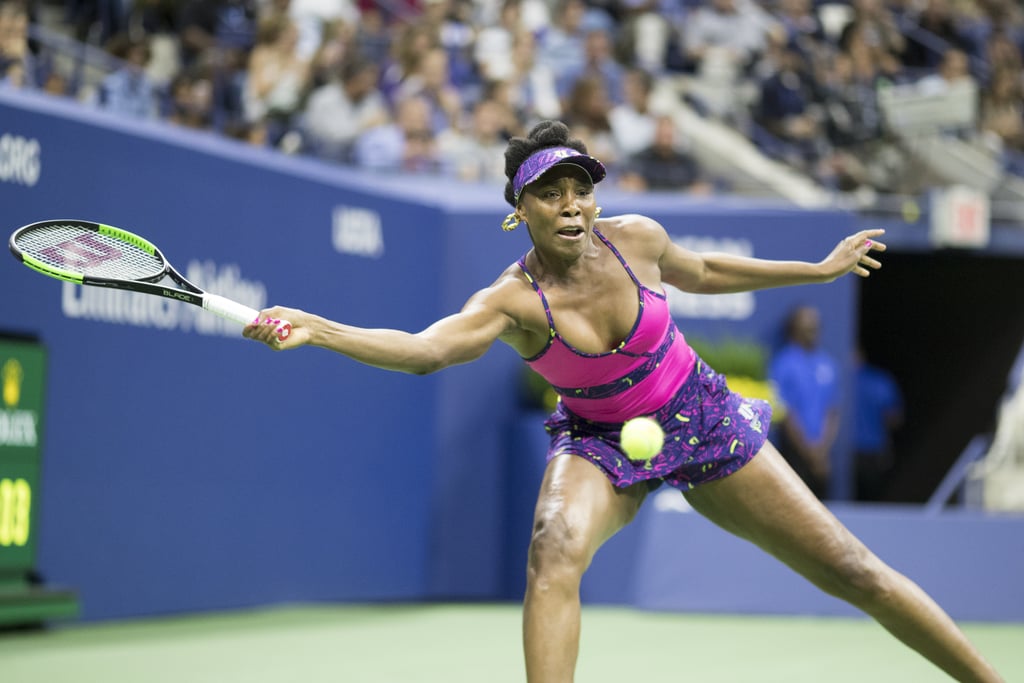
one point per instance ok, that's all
(853, 255)
(264, 328)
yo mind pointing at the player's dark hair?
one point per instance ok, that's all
(544, 134)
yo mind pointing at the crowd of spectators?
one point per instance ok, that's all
(438, 86)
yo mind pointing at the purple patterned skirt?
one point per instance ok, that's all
(710, 432)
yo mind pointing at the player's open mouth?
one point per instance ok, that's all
(571, 232)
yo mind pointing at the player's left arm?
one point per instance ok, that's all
(719, 273)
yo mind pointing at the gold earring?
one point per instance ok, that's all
(510, 223)
(597, 214)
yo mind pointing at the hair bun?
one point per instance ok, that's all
(550, 133)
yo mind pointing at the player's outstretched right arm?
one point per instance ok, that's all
(458, 338)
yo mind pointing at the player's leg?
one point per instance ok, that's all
(767, 504)
(578, 509)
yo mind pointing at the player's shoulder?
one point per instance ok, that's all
(628, 224)
(634, 232)
(507, 291)
(512, 294)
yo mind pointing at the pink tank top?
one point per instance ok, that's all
(636, 378)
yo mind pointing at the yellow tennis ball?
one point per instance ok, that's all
(641, 438)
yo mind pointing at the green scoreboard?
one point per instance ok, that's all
(23, 597)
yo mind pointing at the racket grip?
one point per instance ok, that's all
(240, 313)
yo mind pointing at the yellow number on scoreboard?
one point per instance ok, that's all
(15, 510)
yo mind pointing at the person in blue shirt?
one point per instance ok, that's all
(878, 404)
(806, 378)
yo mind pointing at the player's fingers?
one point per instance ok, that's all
(866, 239)
(270, 331)
(866, 235)
(281, 330)
(253, 329)
(262, 329)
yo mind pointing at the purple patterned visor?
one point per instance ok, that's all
(539, 162)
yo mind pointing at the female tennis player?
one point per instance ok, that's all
(585, 307)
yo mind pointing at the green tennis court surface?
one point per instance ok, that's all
(475, 644)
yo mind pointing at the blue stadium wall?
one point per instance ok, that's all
(186, 469)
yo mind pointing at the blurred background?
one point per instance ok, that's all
(345, 157)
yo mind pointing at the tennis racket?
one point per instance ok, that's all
(88, 253)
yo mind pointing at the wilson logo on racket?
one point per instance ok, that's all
(84, 251)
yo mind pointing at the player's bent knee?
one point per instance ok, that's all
(556, 554)
(858, 576)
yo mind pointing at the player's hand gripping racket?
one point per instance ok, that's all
(89, 253)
